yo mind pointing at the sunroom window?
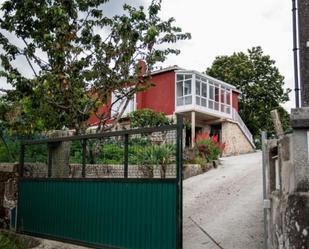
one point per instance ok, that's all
(205, 92)
(184, 89)
(201, 91)
(225, 100)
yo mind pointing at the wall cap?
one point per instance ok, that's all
(300, 118)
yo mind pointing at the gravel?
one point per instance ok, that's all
(227, 203)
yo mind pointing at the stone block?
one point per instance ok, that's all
(8, 167)
(300, 118)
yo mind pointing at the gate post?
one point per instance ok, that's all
(21, 160)
(20, 176)
(179, 152)
(264, 162)
(126, 155)
(59, 155)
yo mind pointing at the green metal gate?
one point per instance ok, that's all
(104, 212)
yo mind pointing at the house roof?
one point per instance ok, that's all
(167, 69)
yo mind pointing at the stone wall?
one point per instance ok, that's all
(287, 187)
(8, 192)
(235, 140)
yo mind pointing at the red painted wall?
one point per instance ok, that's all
(235, 100)
(161, 97)
(93, 120)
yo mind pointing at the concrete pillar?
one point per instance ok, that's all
(192, 128)
(300, 125)
(60, 155)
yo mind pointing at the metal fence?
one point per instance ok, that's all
(120, 189)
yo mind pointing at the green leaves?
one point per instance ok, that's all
(148, 118)
(260, 82)
(77, 56)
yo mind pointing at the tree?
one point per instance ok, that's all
(261, 84)
(77, 56)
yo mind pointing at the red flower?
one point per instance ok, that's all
(201, 136)
(214, 139)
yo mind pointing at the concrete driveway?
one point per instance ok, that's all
(227, 203)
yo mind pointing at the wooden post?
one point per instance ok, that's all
(277, 123)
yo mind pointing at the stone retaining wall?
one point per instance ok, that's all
(8, 192)
(236, 141)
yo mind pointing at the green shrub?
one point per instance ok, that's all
(208, 147)
(110, 154)
(8, 241)
(10, 150)
(156, 155)
(148, 118)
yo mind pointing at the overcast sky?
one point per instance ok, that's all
(221, 27)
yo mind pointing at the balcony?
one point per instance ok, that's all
(201, 93)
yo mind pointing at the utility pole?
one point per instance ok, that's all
(303, 34)
(295, 54)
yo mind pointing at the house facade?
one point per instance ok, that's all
(207, 104)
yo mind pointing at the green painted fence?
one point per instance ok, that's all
(116, 213)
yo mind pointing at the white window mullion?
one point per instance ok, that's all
(193, 90)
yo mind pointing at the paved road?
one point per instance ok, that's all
(227, 203)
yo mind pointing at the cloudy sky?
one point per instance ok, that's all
(222, 27)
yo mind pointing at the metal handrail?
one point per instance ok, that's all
(236, 117)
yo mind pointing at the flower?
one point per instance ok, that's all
(209, 146)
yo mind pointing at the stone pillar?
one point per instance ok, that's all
(287, 185)
(192, 129)
(303, 27)
(60, 155)
(300, 125)
(297, 211)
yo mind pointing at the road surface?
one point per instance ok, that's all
(226, 203)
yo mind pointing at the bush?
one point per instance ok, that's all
(156, 155)
(209, 147)
(10, 150)
(148, 118)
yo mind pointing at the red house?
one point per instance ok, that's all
(210, 105)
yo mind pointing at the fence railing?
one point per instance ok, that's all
(91, 193)
(236, 117)
(135, 153)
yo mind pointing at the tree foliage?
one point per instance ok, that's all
(148, 118)
(63, 59)
(261, 86)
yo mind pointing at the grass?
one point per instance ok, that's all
(11, 240)
(8, 241)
